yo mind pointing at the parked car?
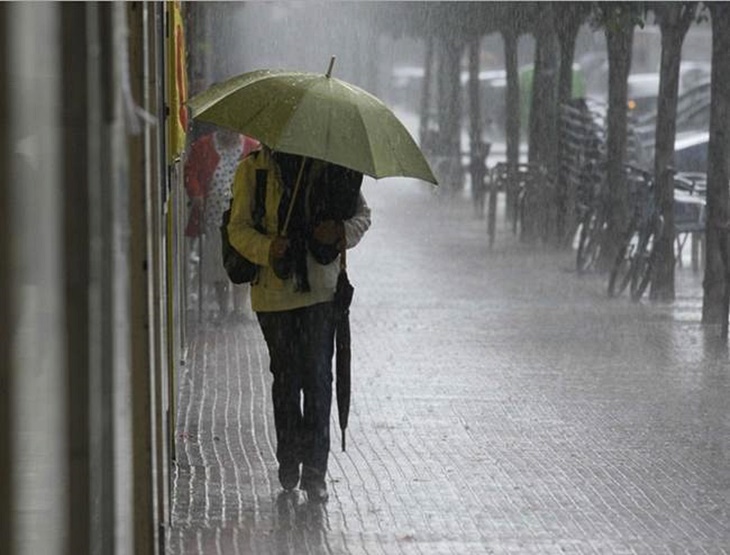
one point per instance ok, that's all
(691, 73)
(644, 86)
(643, 90)
(690, 151)
(692, 123)
(693, 107)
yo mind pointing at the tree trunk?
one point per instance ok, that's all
(619, 41)
(543, 139)
(675, 19)
(512, 109)
(543, 106)
(567, 34)
(716, 286)
(475, 120)
(449, 110)
(426, 93)
(477, 149)
(512, 97)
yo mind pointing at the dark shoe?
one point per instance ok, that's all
(317, 493)
(289, 476)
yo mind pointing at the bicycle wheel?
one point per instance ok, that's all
(589, 243)
(622, 269)
(643, 264)
(519, 215)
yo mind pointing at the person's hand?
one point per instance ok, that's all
(329, 232)
(278, 259)
(278, 247)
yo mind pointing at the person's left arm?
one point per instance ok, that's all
(355, 227)
(331, 232)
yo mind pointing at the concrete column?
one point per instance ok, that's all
(141, 297)
(6, 370)
(75, 174)
(38, 332)
(121, 386)
(102, 59)
(158, 206)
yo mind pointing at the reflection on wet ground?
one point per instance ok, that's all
(300, 524)
(501, 404)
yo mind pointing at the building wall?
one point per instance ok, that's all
(79, 413)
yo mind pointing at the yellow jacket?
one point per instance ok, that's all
(268, 292)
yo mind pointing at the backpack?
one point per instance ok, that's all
(239, 268)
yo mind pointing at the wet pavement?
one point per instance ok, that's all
(501, 404)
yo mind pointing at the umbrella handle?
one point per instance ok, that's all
(293, 197)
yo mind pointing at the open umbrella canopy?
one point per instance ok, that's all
(317, 116)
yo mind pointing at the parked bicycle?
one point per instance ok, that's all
(537, 205)
(593, 209)
(636, 255)
(530, 200)
(478, 173)
(690, 202)
(534, 208)
(515, 183)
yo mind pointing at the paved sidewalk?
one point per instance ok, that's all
(501, 404)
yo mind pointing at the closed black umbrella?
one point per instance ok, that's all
(343, 298)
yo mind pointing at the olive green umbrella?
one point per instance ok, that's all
(316, 116)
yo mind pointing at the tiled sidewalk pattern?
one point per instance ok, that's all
(501, 404)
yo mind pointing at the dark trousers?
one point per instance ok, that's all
(301, 345)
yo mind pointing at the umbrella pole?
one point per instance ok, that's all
(293, 197)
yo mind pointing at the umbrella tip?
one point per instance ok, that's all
(343, 441)
(329, 69)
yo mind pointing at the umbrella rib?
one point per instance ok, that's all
(361, 120)
(392, 149)
(356, 90)
(272, 101)
(205, 115)
(403, 170)
(389, 140)
(307, 86)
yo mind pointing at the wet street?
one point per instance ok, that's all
(501, 404)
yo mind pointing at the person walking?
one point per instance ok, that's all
(298, 255)
(209, 171)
